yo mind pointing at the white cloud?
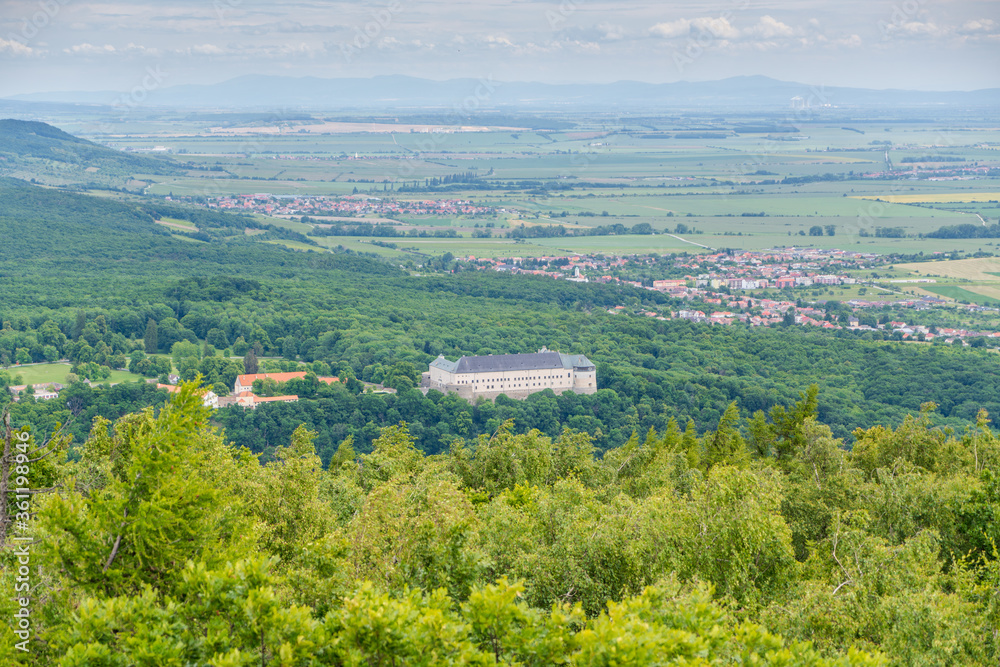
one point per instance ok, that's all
(206, 50)
(611, 31)
(850, 42)
(719, 27)
(978, 26)
(15, 48)
(90, 50)
(140, 49)
(497, 40)
(921, 28)
(671, 29)
(767, 27)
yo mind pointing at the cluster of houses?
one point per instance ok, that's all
(242, 394)
(572, 268)
(774, 312)
(41, 392)
(779, 269)
(350, 205)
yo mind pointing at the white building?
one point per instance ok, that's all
(515, 375)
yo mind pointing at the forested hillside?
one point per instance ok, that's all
(30, 149)
(82, 299)
(729, 495)
(164, 545)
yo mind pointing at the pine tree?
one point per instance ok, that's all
(250, 365)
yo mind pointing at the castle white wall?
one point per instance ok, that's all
(515, 384)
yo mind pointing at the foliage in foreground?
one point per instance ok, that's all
(768, 546)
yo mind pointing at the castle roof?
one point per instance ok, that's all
(541, 360)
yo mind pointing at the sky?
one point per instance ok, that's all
(116, 45)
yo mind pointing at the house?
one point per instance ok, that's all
(515, 375)
(209, 398)
(247, 400)
(41, 392)
(784, 282)
(245, 382)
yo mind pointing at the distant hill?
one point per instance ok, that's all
(40, 222)
(33, 150)
(461, 96)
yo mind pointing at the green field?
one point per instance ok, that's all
(57, 372)
(960, 294)
(730, 190)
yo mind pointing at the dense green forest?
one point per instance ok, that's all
(354, 316)
(164, 545)
(43, 153)
(729, 495)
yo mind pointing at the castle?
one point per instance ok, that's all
(516, 375)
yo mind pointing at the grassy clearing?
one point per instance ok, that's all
(294, 225)
(296, 245)
(177, 222)
(57, 372)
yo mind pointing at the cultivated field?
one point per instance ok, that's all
(983, 269)
(943, 198)
(699, 177)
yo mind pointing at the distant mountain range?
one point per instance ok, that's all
(469, 95)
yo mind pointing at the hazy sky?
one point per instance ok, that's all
(54, 45)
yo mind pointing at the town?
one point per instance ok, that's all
(721, 288)
(346, 206)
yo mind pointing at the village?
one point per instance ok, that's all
(346, 206)
(714, 279)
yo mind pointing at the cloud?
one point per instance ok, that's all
(498, 41)
(768, 27)
(393, 44)
(979, 26)
(206, 50)
(15, 48)
(287, 27)
(611, 31)
(716, 27)
(90, 50)
(922, 29)
(604, 32)
(850, 42)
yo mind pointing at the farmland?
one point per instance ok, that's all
(975, 280)
(880, 184)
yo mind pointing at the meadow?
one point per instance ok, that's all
(57, 372)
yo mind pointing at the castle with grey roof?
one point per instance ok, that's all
(516, 375)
